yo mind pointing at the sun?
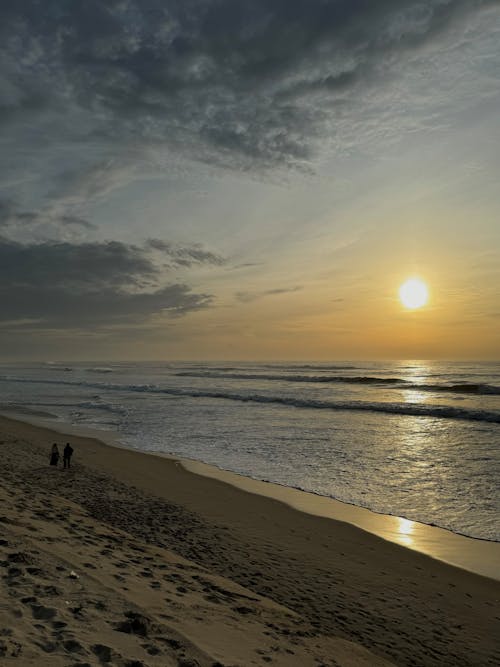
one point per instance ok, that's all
(413, 293)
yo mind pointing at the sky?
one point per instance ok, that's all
(224, 179)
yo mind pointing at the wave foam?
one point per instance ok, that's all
(462, 388)
(410, 409)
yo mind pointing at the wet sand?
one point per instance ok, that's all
(479, 556)
(279, 579)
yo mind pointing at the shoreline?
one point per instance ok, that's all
(78, 585)
(336, 582)
(476, 555)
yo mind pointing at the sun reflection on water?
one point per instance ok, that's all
(415, 396)
(417, 373)
(405, 529)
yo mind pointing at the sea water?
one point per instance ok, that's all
(414, 439)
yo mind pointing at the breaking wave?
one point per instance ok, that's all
(462, 388)
(396, 408)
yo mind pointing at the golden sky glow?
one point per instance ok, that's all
(244, 198)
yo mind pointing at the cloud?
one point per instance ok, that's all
(67, 285)
(181, 255)
(41, 224)
(240, 83)
(247, 297)
(96, 177)
(95, 96)
(73, 220)
(245, 265)
(69, 309)
(6, 212)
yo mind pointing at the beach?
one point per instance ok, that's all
(413, 440)
(130, 559)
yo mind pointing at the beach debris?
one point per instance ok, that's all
(73, 575)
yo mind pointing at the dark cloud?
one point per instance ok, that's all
(89, 265)
(246, 297)
(14, 220)
(90, 89)
(67, 309)
(6, 211)
(245, 265)
(73, 220)
(241, 82)
(283, 290)
(64, 285)
(185, 255)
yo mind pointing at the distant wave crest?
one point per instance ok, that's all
(291, 378)
(99, 369)
(411, 409)
(462, 388)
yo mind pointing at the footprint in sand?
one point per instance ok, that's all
(13, 573)
(9, 648)
(151, 649)
(47, 646)
(172, 643)
(136, 624)
(42, 613)
(19, 557)
(73, 646)
(29, 600)
(59, 625)
(105, 653)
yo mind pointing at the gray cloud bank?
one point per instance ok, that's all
(67, 285)
(230, 80)
(89, 88)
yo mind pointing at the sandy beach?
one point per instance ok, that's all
(129, 559)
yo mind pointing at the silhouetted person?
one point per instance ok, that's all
(54, 455)
(68, 450)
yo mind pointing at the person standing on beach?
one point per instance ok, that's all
(54, 455)
(68, 451)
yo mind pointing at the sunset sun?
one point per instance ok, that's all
(413, 293)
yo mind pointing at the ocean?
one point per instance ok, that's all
(420, 440)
